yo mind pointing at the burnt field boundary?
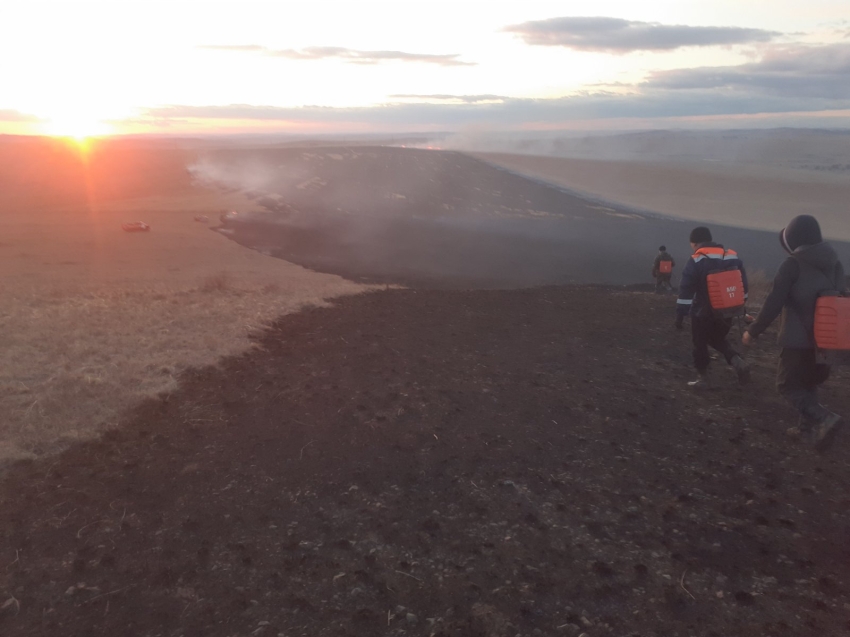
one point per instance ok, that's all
(446, 220)
(414, 462)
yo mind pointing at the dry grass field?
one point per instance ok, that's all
(92, 318)
(750, 196)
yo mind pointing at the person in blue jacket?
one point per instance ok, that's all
(706, 327)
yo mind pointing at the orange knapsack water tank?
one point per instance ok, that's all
(665, 267)
(832, 323)
(726, 292)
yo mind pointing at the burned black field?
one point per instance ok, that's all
(416, 462)
(447, 220)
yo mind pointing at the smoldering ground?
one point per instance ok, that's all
(445, 219)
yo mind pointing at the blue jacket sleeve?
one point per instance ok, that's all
(687, 288)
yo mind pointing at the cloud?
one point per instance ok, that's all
(615, 35)
(821, 72)
(9, 115)
(789, 81)
(233, 111)
(352, 56)
(239, 48)
(466, 99)
(510, 112)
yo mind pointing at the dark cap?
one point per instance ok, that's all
(700, 234)
(802, 231)
(662, 249)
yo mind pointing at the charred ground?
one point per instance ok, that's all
(445, 219)
(441, 463)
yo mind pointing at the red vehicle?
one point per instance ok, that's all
(135, 226)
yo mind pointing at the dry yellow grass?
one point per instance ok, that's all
(92, 318)
(744, 196)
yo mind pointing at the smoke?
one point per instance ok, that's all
(243, 175)
(819, 150)
(446, 219)
(514, 142)
(382, 213)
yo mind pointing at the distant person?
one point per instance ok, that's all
(662, 270)
(707, 328)
(812, 268)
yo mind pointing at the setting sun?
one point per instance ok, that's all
(79, 128)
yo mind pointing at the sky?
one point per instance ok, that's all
(208, 67)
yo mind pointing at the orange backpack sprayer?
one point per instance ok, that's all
(832, 326)
(726, 293)
(665, 267)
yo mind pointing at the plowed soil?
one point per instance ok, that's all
(489, 463)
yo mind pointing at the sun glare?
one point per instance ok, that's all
(79, 128)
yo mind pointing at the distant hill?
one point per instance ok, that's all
(824, 151)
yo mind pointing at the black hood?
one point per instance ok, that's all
(821, 255)
(802, 231)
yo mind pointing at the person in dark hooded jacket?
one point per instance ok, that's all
(812, 268)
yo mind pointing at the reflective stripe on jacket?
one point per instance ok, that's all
(693, 290)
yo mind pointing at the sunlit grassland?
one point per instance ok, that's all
(94, 319)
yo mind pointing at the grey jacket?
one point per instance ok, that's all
(809, 271)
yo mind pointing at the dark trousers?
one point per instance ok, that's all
(710, 330)
(662, 282)
(798, 378)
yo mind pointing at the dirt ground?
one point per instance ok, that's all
(408, 462)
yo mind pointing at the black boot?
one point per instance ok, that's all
(824, 432)
(742, 368)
